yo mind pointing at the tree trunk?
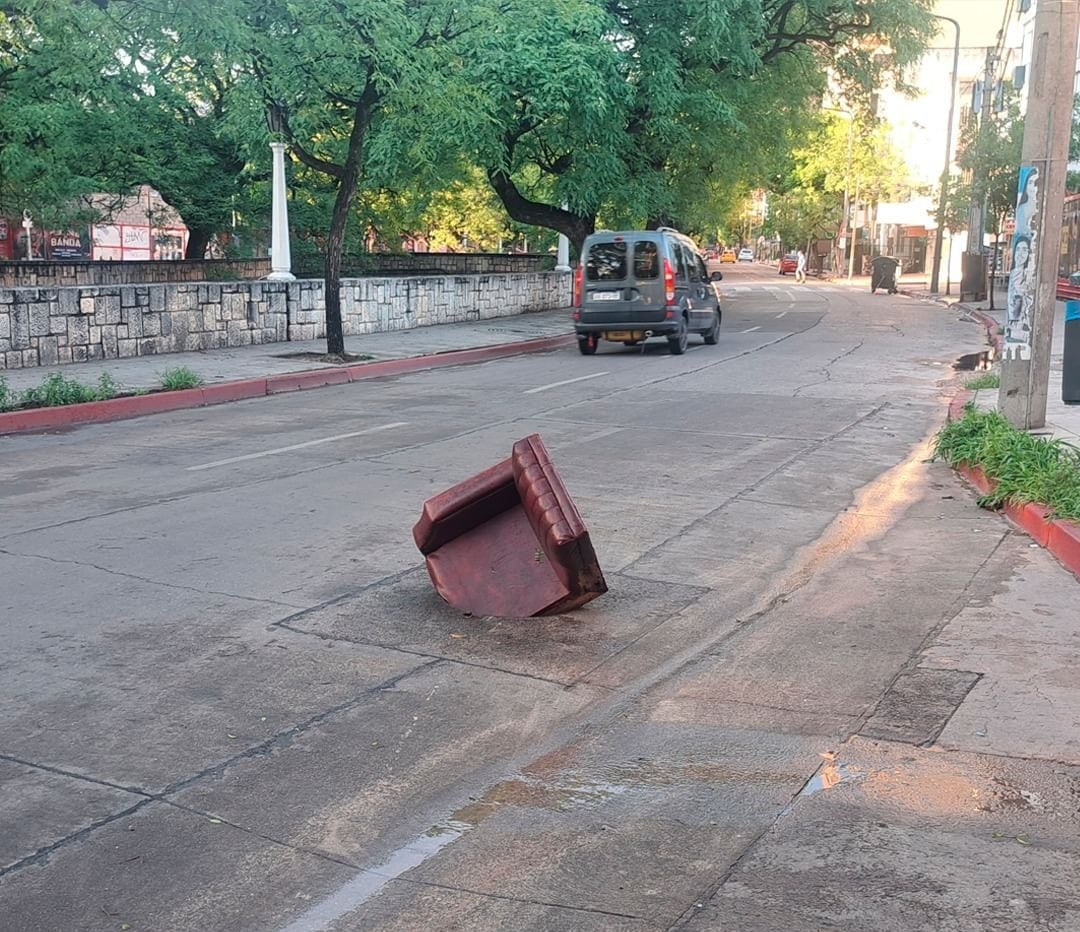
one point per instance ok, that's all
(335, 244)
(198, 240)
(575, 227)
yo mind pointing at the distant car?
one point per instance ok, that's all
(789, 263)
(728, 255)
(746, 254)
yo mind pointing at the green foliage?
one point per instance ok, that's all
(1026, 468)
(179, 378)
(8, 398)
(984, 380)
(989, 152)
(56, 390)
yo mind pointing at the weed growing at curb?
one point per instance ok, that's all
(1026, 468)
(8, 398)
(56, 390)
(179, 378)
(984, 380)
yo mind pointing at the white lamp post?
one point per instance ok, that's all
(562, 261)
(280, 254)
(28, 225)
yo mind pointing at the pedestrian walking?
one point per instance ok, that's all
(800, 267)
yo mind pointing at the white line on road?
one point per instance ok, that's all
(781, 314)
(580, 378)
(751, 329)
(296, 446)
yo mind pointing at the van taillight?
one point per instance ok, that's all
(669, 282)
(578, 277)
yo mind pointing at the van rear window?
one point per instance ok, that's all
(606, 262)
(646, 260)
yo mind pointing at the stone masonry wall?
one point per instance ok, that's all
(46, 326)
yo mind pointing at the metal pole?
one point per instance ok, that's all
(1025, 368)
(562, 263)
(935, 275)
(280, 254)
(851, 257)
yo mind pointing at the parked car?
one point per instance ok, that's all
(746, 254)
(789, 263)
(728, 255)
(635, 284)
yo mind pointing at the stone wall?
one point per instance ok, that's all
(46, 326)
(59, 274)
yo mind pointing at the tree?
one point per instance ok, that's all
(989, 153)
(691, 80)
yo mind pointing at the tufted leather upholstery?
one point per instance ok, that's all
(509, 540)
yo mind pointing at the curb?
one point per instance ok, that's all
(1059, 536)
(116, 409)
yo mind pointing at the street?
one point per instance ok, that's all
(825, 690)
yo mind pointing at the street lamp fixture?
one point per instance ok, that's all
(935, 275)
(280, 255)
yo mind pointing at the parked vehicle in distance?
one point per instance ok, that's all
(789, 263)
(728, 255)
(746, 254)
(635, 284)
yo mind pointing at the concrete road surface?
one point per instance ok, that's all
(824, 690)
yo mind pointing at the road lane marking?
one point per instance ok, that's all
(751, 330)
(580, 378)
(296, 446)
(781, 314)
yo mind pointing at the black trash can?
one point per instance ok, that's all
(883, 271)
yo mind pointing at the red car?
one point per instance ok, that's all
(789, 263)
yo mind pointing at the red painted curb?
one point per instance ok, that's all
(1064, 544)
(373, 370)
(116, 409)
(298, 381)
(233, 391)
(1058, 536)
(1030, 518)
(991, 326)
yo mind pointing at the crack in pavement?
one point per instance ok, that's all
(827, 369)
(806, 451)
(143, 579)
(275, 742)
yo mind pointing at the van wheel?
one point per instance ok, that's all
(587, 345)
(677, 343)
(712, 335)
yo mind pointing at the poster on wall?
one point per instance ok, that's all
(69, 244)
(1021, 301)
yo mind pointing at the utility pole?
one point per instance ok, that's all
(1025, 369)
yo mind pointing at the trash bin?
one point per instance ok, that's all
(883, 272)
(1070, 357)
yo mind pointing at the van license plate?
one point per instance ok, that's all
(624, 335)
(606, 295)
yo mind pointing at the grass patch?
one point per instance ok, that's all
(177, 379)
(1026, 468)
(984, 380)
(57, 390)
(8, 398)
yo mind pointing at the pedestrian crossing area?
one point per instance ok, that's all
(786, 291)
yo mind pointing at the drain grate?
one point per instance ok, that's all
(918, 705)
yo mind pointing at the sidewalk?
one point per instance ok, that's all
(270, 359)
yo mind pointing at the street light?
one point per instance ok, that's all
(935, 275)
(280, 255)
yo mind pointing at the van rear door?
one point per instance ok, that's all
(623, 281)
